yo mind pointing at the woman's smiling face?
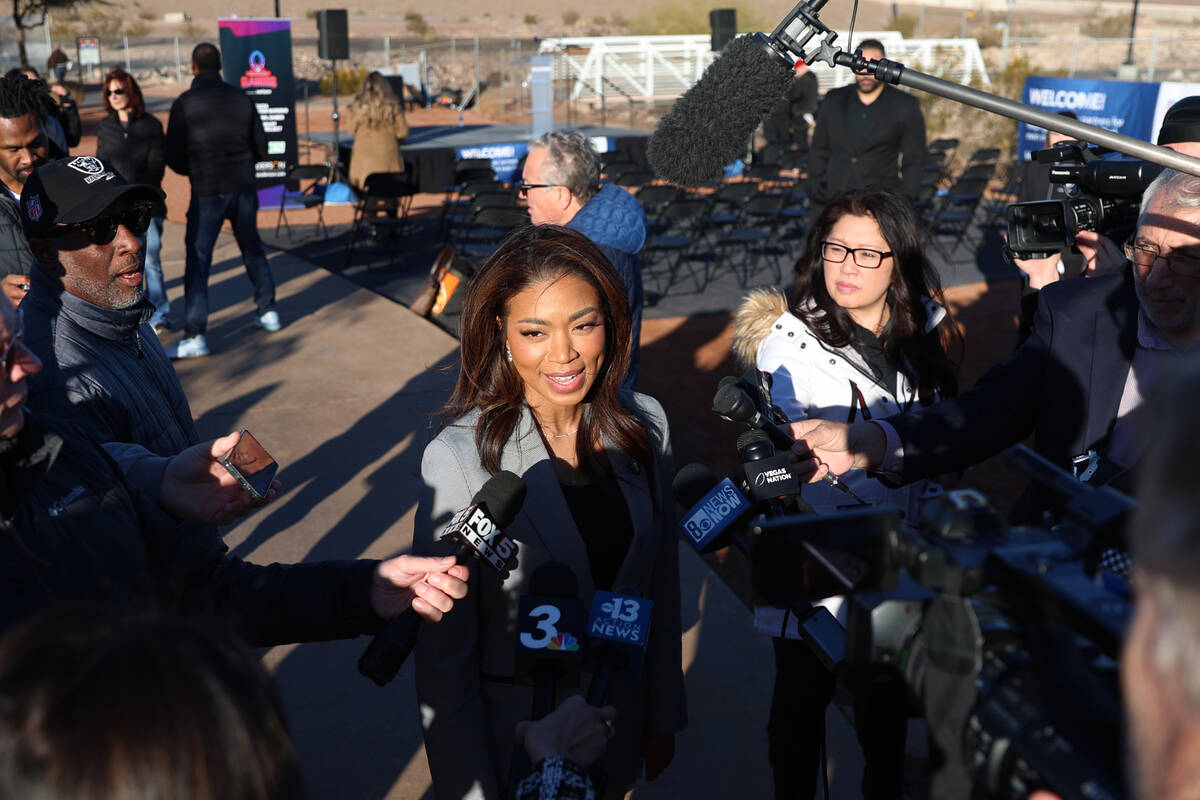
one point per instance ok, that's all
(555, 331)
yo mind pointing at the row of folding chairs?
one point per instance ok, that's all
(740, 227)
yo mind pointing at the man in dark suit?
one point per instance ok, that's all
(868, 133)
(1099, 347)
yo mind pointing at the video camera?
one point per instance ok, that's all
(1007, 638)
(1102, 196)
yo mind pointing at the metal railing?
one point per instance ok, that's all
(659, 68)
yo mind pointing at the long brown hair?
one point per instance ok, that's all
(914, 279)
(137, 106)
(529, 257)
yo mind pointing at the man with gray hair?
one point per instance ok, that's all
(1160, 667)
(1098, 347)
(561, 184)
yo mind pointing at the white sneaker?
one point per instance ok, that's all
(159, 323)
(191, 347)
(269, 321)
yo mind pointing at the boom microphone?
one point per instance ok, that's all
(712, 122)
(476, 531)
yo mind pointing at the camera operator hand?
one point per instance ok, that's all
(1101, 254)
(823, 447)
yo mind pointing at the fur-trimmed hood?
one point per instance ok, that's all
(753, 321)
(760, 309)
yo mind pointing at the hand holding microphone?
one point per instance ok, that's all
(476, 531)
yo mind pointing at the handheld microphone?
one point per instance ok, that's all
(711, 123)
(713, 504)
(618, 627)
(550, 630)
(550, 626)
(476, 531)
(734, 403)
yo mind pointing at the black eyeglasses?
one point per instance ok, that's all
(523, 188)
(1186, 265)
(111, 92)
(9, 356)
(864, 257)
(103, 229)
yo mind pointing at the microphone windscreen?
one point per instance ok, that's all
(503, 495)
(712, 122)
(692, 483)
(553, 579)
(732, 402)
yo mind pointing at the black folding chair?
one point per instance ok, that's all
(312, 196)
(680, 227)
(383, 204)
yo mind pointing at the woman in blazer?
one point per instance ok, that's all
(545, 344)
(860, 338)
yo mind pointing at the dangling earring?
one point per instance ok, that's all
(507, 353)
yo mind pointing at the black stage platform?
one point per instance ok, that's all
(433, 149)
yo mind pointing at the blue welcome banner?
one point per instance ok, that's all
(1119, 106)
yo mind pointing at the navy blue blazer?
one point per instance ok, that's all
(1063, 385)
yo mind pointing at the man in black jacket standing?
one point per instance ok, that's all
(866, 134)
(214, 136)
(23, 146)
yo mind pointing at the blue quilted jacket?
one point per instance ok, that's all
(615, 221)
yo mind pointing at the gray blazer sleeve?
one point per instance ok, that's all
(447, 656)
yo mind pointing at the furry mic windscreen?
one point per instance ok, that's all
(712, 122)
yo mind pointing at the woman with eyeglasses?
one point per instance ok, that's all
(544, 345)
(134, 142)
(862, 336)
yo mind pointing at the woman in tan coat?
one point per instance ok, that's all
(378, 127)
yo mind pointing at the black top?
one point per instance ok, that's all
(602, 516)
(871, 349)
(137, 148)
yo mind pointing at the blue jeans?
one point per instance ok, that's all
(152, 245)
(204, 218)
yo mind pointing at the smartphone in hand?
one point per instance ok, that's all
(252, 465)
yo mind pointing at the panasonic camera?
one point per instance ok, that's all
(1101, 195)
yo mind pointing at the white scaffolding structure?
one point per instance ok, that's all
(651, 69)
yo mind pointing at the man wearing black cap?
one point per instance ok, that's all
(84, 315)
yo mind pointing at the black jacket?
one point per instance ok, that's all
(72, 528)
(1063, 385)
(214, 136)
(104, 370)
(15, 255)
(137, 151)
(891, 153)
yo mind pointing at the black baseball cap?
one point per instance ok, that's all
(1181, 123)
(76, 189)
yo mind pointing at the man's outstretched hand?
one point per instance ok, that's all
(197, 487)
(426, 584)
(822, 447)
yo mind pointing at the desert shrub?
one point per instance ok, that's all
(416, 24)
(570, 17)
(531, 19)
(905, 23)
(349, 80)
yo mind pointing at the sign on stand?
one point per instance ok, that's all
(256, 56)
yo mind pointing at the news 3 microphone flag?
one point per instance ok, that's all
(256, 56)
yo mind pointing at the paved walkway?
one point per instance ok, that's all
(340, 398)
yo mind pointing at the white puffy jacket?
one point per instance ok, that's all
(811, 380)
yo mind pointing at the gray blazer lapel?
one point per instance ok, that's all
(545, 511)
